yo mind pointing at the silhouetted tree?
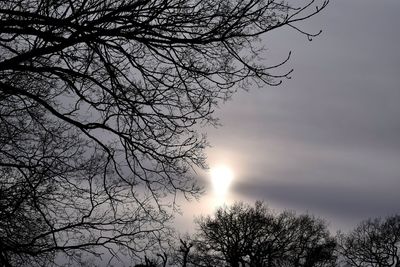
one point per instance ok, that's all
(306, 240)
(148, 263)
(253, 236)
(183, 249)
(98, 103)
(373, 243)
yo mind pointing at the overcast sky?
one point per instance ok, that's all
(327, 141)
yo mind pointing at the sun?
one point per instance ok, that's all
(221, 178)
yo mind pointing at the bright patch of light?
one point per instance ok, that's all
(221, 179)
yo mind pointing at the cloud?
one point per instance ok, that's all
(327, 140)
(339, 201)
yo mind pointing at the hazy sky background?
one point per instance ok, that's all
(327, 141)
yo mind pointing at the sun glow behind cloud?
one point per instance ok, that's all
(221, 179)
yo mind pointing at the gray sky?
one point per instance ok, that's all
(328, 140)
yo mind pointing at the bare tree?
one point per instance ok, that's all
(182, 250)
(53, 198)
(374, 242)
(98, 106)
(305, 240)
(253, 236)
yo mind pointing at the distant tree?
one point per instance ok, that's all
(183, 250)
(307, 241)
(373, 243)
(242, 235)
(148, 263)
(98, 106)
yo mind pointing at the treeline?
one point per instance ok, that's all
(243, 235)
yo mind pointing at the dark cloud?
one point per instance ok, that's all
(340, 201)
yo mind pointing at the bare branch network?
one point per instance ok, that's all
(100, 102)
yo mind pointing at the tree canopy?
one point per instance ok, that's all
(242, 235)
(373, 243)
(100, 102)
